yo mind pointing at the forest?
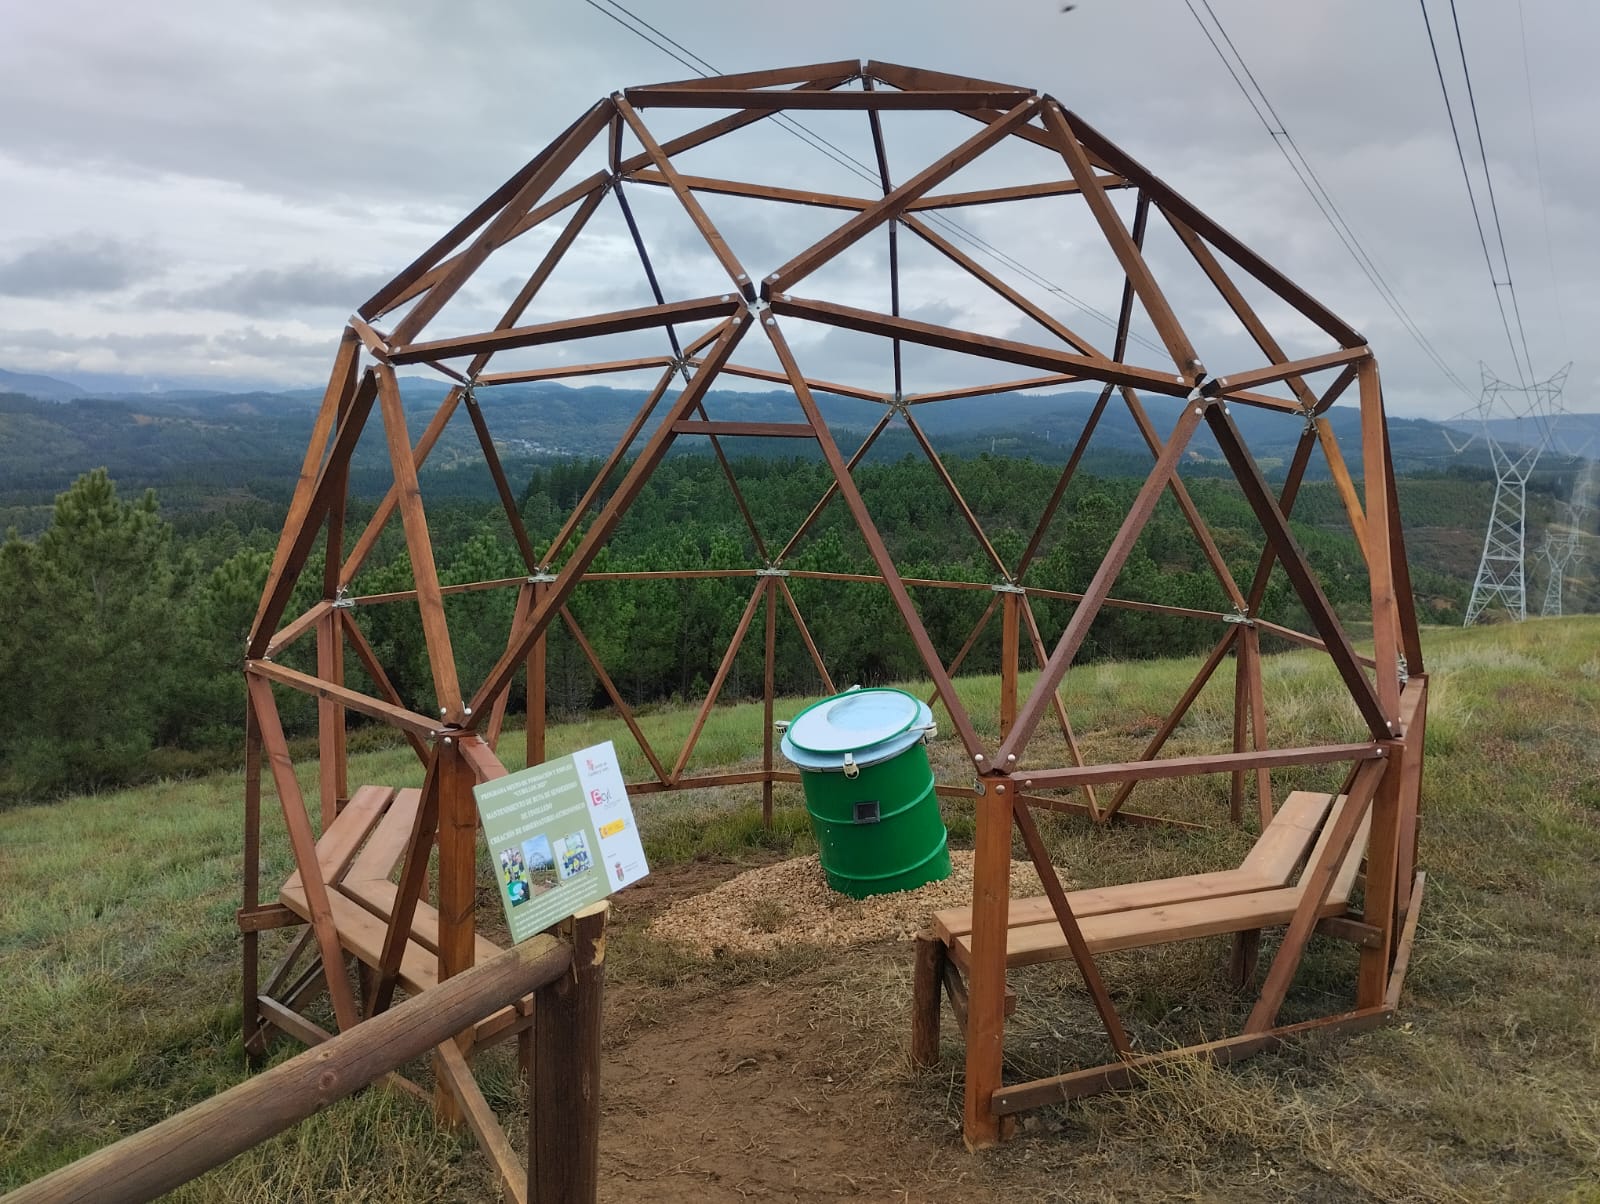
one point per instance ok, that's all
(126, 628)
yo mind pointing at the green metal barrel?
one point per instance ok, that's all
(869, 791)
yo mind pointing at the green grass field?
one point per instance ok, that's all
(119, 968)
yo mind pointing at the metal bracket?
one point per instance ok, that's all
(1242, 618)
(772, 571)
(541, 578)
(1403, 670)
(897, 403)
(342, 600)
(681, 366)
(1008, 587)
(469, 392)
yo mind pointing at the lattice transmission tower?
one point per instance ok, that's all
(1502, 568)
(1563, 542)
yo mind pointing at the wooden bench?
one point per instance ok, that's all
(357, 854)
(1261, 893)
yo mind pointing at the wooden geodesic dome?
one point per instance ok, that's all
(707, 313)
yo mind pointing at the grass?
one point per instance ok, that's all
(120, 964)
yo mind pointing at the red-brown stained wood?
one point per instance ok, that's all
(304, 847)
(436, 633)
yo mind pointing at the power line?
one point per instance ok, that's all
(849, 162)
(1477, 215)
(1488, 178)
(1312, 183)
(1538, 175)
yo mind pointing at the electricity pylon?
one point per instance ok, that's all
(1563, 547)
(1502, 569)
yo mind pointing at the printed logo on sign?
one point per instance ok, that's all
(599, 798)
(594, 766)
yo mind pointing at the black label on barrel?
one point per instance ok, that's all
(867, 812)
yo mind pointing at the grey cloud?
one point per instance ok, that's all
(274, 292)
(74, 267)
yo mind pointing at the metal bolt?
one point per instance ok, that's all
(468, 710)
(1011, 758)
(772, 321)
(727, 296)
(448, 740)
(977, 757)
(1000, 788)
(1028, 782)
(442, 710)
(1197, 410)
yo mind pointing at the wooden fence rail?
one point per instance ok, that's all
(567, 977)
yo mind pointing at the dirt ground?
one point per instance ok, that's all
(788, 1080)
(757, 1091)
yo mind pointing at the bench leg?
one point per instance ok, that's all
(1242, 964)
(926, 978)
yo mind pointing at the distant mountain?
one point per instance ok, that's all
(31, 384)
(1570, 434)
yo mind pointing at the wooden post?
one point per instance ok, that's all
(926, 974)
(1372, 975)
(1241, 716)
(564, 1097)
(458, 877)
(538, 658)
(151, 1163)
(1414, 718)
(254, 1037)
(768, 684)
(986, 973)
(1008, 661)
(331, 774)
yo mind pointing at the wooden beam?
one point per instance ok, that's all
(948, 338)
(552, 162)
(894, 203)
(1183, 767)
(304, 845)
(430, 602)
(1099, 588)
(735, 98)
(619, 322)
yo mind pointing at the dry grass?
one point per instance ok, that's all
(121, 975)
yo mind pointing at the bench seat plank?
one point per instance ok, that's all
(1187, 919)
(378, 896)
(362, 933)
(1271, 863)
(1280, 848)
(336, 847)
(388, 842)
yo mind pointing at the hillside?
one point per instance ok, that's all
(783, 1076)
(203, 450)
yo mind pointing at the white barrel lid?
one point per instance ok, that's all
(873, 730)
(855, 720)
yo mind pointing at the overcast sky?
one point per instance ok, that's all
(205, 190)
